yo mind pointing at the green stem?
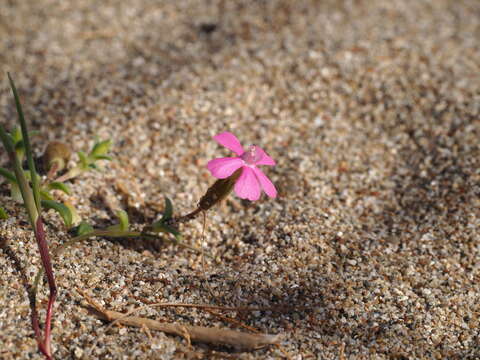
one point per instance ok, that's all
(22, 181)
(28, 148)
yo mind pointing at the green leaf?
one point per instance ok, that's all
(84, 228)
(101, 148)
(76, 219)
(159, 226)
(28, 175)
(16, 135)
(3, 214)
(6, 140)
(63, 210)
(83, 159)
(171, 230)
(20, 150)
(102, 157)
(19, 145)
(45, 195)
(28, 148)
(15, 192)
(8, 175)
(167, 214)
(59, 186)
(124, 221)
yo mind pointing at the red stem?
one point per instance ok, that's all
(48, 320)
(36, 328)
(47, 264)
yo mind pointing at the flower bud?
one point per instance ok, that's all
(218, 191)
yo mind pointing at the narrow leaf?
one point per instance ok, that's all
(171, 230)
(84, 228)
(101, 148)
(19, 145)
(59, 186)
(167, 214)
(102, 157)
(45, 195)
(15, 192)
(76, 219)
(16, 135)
(28, 149)
(159, 226)
(124, 221)
(8, 175)
(20, 150)
(63, 210)
(23, 187)
(7, 140)
(83, 159)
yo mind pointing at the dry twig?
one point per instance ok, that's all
(212, 335)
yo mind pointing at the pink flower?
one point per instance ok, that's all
(252, 178)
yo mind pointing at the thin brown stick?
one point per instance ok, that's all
(228, 337)
(245, 326)
(278, 308)
(203, 257)
(147, 331)
(195, 333)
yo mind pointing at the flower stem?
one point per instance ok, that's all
(183, 219)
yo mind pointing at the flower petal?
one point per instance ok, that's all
(222, 168)
(230, 141)
(267, 185)
(264, 159)
(247, 186)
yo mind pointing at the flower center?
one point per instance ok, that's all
(252, 155)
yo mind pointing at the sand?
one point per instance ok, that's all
(371, 110)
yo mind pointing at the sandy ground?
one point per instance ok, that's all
(371, 110)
